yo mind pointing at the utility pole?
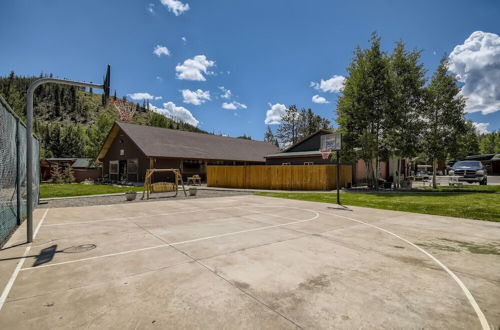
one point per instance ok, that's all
(338, 176)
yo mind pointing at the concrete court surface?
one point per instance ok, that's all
(249, 262)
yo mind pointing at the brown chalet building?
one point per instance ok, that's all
(130, 149)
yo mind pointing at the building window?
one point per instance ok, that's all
(122, 152)
(113, 167)
(132, 166)
(286, 163)
(308, 163)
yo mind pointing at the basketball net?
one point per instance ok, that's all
(325, 154)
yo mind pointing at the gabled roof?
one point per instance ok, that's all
(82, 162)
(76, 162)
(483, 157)
(163, 142)
(323, 131)
(295, 154)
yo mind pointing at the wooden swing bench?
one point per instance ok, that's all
(158, 187)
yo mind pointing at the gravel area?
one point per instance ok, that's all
(119, 199)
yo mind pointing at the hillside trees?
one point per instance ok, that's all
(71, 122)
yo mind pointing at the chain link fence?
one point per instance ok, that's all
(13, 171)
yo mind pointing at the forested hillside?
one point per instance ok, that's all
(71, 121)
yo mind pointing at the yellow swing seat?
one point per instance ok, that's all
(159, 187)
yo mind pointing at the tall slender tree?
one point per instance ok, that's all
(311, 122)
(467, 144)
(402, 122)
(364, 106)
(443, 115)
(490, 143)
(289, 129)
(269, 136)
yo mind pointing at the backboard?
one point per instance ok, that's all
(331, 142)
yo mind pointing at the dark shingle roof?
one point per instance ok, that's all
(295, 154)
(82, 162)
(77, 162)
(163, 142)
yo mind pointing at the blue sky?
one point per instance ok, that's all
(267, 53)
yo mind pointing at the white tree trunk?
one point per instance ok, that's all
(434, 165)
(376, 171)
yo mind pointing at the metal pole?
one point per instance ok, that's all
(338, 177)
(18, 172)
(29, 142)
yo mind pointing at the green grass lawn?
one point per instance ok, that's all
(465, 188)
(49, 190)
(482, 206)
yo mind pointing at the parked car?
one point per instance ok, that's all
(469, 171)
(423, 172)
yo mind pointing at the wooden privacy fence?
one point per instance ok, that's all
(281, 177)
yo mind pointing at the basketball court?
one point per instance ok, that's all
(249, 262)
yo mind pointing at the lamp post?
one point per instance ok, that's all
(29, 133)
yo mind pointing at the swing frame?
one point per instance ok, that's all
(149, 175)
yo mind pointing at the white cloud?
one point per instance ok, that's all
(233, 105)
(184, 40)
(175, 6)
(196, 97)
(172, 111)
(151, 8)
(226, 93)
(161, 50)
(273, 115)
(481, 128)
(160, 79)
(143, 96)
(319, 99)
(334, 84)
(194, 68)
(476, 63)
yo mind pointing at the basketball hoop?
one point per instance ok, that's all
(325, 154)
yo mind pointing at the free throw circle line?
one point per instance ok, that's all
(468, 294)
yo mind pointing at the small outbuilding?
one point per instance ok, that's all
(130, 149)
(83, 168)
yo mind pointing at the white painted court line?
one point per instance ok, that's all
(176, 243)
(247, 230)
(20, 264)
(468, 294)
(97, 257)
(135, 217)
(472, 301)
